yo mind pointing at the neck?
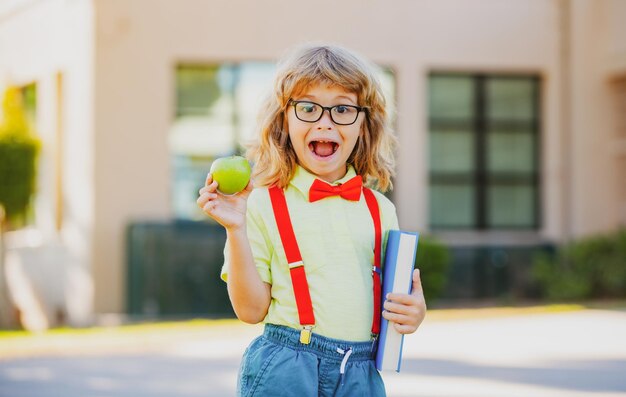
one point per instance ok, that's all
(332, 177)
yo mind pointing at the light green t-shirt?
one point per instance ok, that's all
(336, 240)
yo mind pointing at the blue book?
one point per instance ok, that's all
(397, 277)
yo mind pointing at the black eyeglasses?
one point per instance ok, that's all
(311, 112)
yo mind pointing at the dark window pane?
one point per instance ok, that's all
(511, 206)
(197, 89)
(510, 152)
(483, 151)
(510, 98)
(451, 97)
(452, 205)
(451, 151)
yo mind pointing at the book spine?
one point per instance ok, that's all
(397, 277)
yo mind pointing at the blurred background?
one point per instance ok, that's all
(511, 117)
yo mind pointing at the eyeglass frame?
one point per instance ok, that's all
(359, 109)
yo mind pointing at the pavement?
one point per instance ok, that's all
(467, 353)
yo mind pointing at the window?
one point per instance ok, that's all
(216, 110)
(484, 151)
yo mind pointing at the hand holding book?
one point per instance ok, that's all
(404, 307)
(406, 311)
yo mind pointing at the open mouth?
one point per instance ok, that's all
(323, 148)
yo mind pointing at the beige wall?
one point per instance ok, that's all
(595, 60)
(616, 27)
(126, 82)
(616, 73)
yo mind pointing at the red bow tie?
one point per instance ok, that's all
(350, 190)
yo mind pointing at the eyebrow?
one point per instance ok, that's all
(313, 98)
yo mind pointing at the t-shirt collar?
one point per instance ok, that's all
(303, 179)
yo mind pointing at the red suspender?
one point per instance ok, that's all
(292, 252)
(296, 266)
(372, 204)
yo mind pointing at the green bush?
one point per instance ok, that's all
(18, 155)
(432, 259)
(17, 175)
(589, 268)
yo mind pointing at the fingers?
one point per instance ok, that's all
(407, 305)
(405, 329)
(416, 291)
(406, 311)
(417, 283)
(204, 198)
(404, 324)
(209, 206)
(207, 194)
(210, 187)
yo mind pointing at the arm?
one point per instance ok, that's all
(249, 295)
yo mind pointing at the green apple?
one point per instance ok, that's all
(232, 174)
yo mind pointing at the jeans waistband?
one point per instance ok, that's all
(320, 345)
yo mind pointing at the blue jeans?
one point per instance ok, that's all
(277, 364)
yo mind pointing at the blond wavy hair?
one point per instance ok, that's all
(273, 155)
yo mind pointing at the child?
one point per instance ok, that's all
(302, 245)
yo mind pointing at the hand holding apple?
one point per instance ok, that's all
(232, 174)
(228, 205)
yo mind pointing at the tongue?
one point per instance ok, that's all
(323, 148)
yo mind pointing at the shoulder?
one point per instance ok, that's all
(258, 194)
(259, 200)
(386, 205)
(387, 209)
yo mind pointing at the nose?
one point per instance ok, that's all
(325, 123)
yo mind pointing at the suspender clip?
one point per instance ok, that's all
(305, 334)
(374, 343)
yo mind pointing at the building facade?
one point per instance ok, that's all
(511, 114)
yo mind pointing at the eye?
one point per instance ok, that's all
(344, 109)
(307, 107)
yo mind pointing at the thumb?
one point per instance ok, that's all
(417, 283)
